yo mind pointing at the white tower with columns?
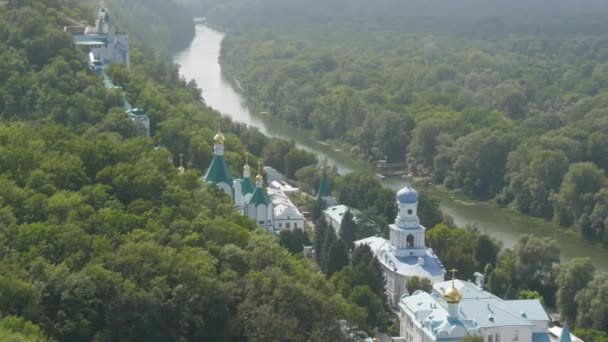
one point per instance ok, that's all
(407, 234)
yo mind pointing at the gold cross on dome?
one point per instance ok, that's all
(453, 270)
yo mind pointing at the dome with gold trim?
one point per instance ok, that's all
(259, 178)
(247, 168)
(219, 138)
(452, 295)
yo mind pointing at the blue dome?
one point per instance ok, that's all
(407, 195)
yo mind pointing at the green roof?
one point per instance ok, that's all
(247, 186)
(259, 197)
(565, 336)
(218, 171)
(324, 190)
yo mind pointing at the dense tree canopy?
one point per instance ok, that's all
(503, 100)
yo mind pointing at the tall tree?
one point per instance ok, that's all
(572, 278)
(592, 309)
(337, 257)
(348, 229)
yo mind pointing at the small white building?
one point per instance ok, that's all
(458, 308)
(405, 254)
(286, 214)
(334, 215)
(104, 45)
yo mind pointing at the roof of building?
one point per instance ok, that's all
(565, 335)
(90, 39)
(337, 212)
(247, 186)
(407, 195)
(283, 207)
(427, 266)
(557, 332)
(473, 296)
(474, 313)
(218, 171)
(259, 197)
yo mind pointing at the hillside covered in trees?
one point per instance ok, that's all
(504, 101)
(101, 239)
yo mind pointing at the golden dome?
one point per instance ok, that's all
(453, 296)
(259, 178)
(219, 138)
(181, 170)
(247, 168)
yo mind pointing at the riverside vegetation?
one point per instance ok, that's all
(102, 240)
(503, 101)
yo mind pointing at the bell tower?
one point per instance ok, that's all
(407, 236)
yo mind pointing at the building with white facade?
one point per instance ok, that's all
(104, 45)
(459, 308)
(405, 254)
(334, 215)
(286, 215)
(249, 198)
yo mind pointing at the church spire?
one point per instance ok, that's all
(181, 169)
(246, 168)
(219, 140)
(259, 179)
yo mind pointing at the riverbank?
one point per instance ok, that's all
(201, 63)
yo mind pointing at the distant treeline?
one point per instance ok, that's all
(502, 100)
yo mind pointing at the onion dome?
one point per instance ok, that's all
(407, 195)
(247, 168)
(219, 138)
(259, 178)
(452, 295)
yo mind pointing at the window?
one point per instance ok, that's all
(490, 338)
(280, 225)
(497, 338)
(410, 241)
(409, 211)
(287, 225)
(295, 225)
(516, 336)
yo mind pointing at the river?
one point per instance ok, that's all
(200, 62)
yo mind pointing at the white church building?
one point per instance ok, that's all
(269, 208)
(459, 308)
(405, 254)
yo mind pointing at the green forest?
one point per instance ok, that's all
(102, 240)
(503, 101)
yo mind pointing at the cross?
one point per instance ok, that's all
(259, 167)
(181, 159)
(453, 270)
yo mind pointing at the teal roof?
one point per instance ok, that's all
(259, 197)
(218, 171)
(565, 336)
(247, 186)
(324, 189)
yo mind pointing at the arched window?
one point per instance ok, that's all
(409, 242)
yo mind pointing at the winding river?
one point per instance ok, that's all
(200, 62)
